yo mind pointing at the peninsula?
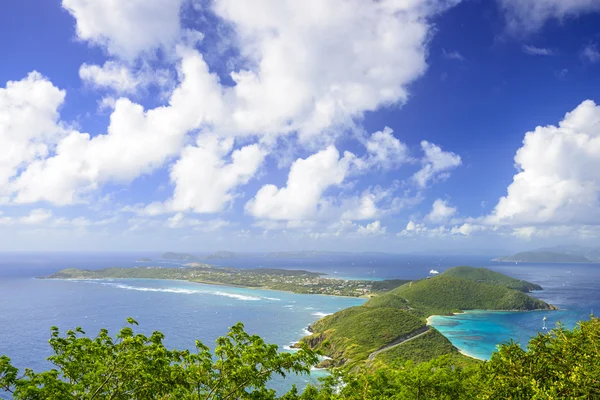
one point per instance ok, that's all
(295, 281)
(393, 326)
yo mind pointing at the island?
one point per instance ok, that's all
(295, 281)
(393, 326)
(556, 254)
(178, 256)
(144, 259)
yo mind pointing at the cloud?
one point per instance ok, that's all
(558, 179)
(110, 75)
(313, 65)
(590, 53)
(28, 123)
(36, 216)
(436, 164)
(453, 55)
(288, 83)
(148, 138)
(440, 211)
(385, 151)
(467, 229)
(307, 180)
(527, 16)
(179, 220)
(204, 181)
(414, 229)
(537, 51)
(372, 229)
(121, 79)
(127, 28)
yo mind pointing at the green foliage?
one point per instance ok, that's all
(388, 284)
(421, 349)
(446, 294)
(133, 366)
(483, 275)
(352, 334)
(564, 364)
(441, 378)
(295, 281)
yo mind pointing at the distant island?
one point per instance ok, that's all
(557, 254)
(144, 259)
(295, 281)
(178, 256)
(392, 327)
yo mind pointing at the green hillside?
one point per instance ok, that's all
(446, 294)
(484, 275)
(388, 320)
(424, 348)
(352, 334)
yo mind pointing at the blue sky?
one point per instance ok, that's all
(345, 125)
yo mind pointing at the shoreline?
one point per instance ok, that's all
(205, 283)
(461, 351)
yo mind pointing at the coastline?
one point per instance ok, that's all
(365, 297)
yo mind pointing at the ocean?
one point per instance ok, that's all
(186, 311)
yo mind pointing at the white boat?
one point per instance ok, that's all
(434, 272)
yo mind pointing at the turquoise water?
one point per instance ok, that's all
(185, 311)
(574, 288)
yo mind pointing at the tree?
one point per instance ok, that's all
(440, 378)
(133, 366)
(563, 364)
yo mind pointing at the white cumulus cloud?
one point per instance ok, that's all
(204, 180)
(137, 141)
(436, 164)
(373, 229)
(127, 28)
(307, 180)
(558, 179)
(440, 211)
(36, 216)
(28, 123)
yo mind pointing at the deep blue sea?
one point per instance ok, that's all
(186, 311)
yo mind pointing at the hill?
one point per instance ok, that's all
(391, 320)
(350, 335)
(545, 256)
(447, 294)
(483, 275)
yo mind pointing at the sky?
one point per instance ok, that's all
(345, 125)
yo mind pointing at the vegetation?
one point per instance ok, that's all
(432, 344)
(352, 334)
(563, 364)
(133, 366)
(296, 281)
(446, 294)
(483, 275)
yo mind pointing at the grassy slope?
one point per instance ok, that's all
(446, 294)
(352, 334)
(483, 275)
(424, 348)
